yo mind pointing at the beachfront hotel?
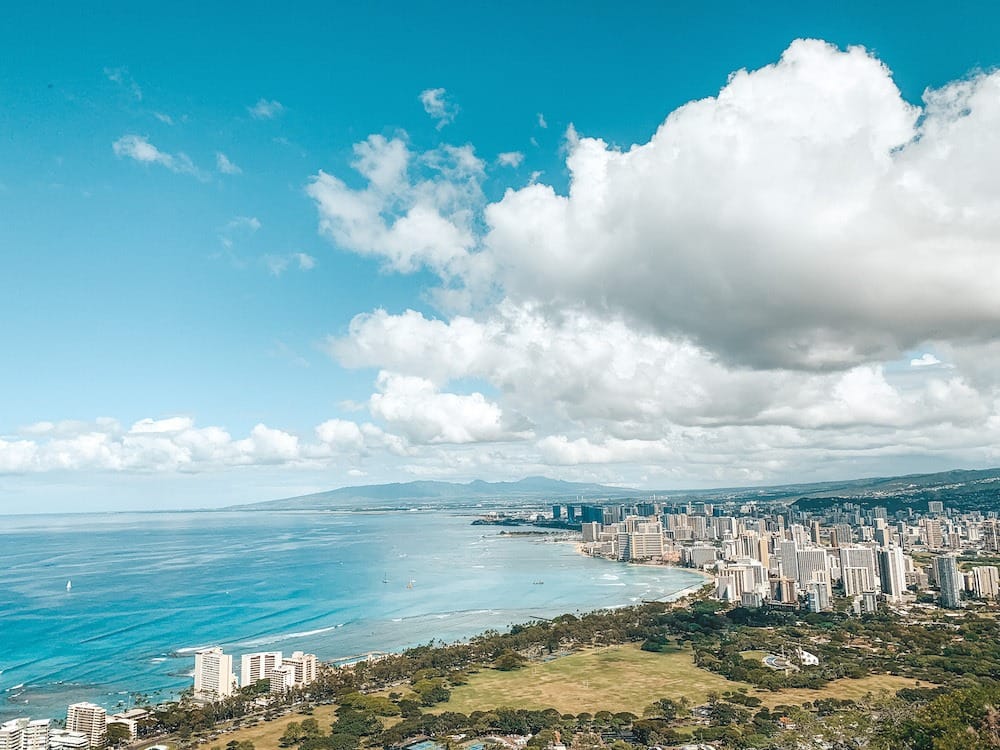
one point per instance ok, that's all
(258, 666)
(24, 734)
(213, 674)
(90, 720)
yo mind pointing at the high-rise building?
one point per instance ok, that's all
(88, 719)
(281, 678)
(11, 733)
(213, 674)
(933, 537)
(892, 570)
(303, 667)
(858, 556)
(949, 581)
(788, 555)
(254, 667)
(557, 512)
(811, 562)
(591, 531)
(36, 735)
(990, 533)
(987, 581)
(856, 581)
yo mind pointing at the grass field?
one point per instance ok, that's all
(265, 734)
(619, 678)
(625, 678)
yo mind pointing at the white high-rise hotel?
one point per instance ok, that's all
(258, 666)
(213, 674)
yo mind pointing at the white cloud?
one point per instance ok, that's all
(278, 264)
(925, 360)
(177, 444)
(224, 165)
(438, 106)
(805, 217)
(541, 121)
(510, 159)
(266, 110)
(417, 209)
(123, 78)
(138, 148)
(248, 223)
(164, 118)
(306, 262)
(422, 414)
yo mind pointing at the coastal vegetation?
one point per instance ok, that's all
(655, 674)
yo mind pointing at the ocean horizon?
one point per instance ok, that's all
(150, 588)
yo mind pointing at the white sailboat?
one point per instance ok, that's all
(385, 578)
(69, 585)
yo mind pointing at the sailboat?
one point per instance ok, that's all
(410, 584)
(385, 578)
(69, 585)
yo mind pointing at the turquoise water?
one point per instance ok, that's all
(150, 588)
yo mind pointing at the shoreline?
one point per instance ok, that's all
(42, 705)
(581, 549)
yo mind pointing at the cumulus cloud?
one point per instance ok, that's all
(178, 444)
(807, 216)
(510, 159)
(766, 288)
(224, 165)
(541, 121)
(439, 106)
(730, 300)
(266, 109)
(417, 410)
(138, 148)
(416, 210)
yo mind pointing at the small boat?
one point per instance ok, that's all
(537, 583)
(410, 584)
(69, 585)
(385, 578)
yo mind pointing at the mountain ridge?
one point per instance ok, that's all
(917, 486)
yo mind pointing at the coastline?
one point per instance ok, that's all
(320, 595)
(581, 549)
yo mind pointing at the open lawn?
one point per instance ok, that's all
(618, 678)
(265, 734)
(625, 678)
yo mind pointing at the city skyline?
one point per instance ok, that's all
(257, 256)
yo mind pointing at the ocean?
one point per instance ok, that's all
(148, 589)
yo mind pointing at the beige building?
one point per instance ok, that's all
(90, 720)
(303, 667)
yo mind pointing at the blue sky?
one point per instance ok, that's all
(180, 243)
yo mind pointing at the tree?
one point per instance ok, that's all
(118, 734)
(509, 661)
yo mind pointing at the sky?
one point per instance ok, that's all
(251, 251)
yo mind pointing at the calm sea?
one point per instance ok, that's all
(150, 588)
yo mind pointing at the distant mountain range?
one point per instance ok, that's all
(443, 493)
(959, 488)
